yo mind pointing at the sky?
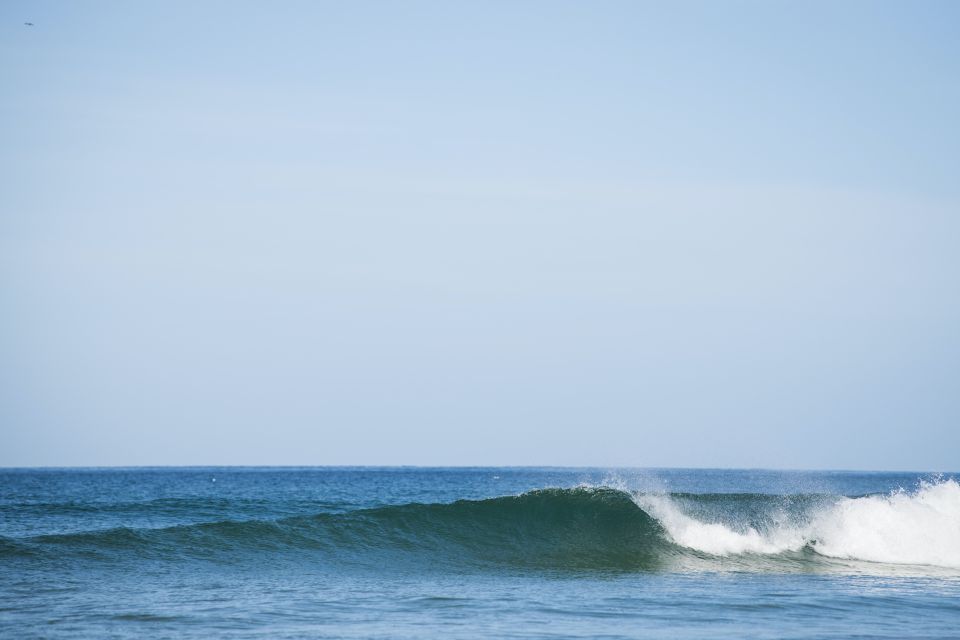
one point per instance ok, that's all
(696, 234)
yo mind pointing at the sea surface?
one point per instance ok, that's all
(329, 552)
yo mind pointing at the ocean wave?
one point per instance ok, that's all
(592, 528)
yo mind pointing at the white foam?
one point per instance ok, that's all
(902, 528)
(715, 538)
(920, 528)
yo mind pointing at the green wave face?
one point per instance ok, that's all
(550, 528)
(561, 529)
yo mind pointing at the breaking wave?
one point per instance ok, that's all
(919, 528)
(563, 529)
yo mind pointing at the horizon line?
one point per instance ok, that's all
(463, 467)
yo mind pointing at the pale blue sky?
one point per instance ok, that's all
(594, 233)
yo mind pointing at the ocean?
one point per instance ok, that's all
(336, 552)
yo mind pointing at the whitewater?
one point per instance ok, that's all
(902, 527)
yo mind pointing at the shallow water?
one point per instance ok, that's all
(533, 553)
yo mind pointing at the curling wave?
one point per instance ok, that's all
(562, 529)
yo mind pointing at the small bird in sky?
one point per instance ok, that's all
(29, 24)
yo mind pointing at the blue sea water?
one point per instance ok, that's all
(477, 552)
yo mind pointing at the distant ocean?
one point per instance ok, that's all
(477, 552)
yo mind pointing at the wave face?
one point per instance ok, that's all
(550, 528)
(564, 529)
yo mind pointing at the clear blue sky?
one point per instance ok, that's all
(593, 233)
